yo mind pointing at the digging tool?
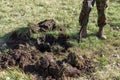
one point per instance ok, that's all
(85, 22)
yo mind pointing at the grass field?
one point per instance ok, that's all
(106, 53)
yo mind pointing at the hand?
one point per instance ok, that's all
(90, 3)
(106, 4)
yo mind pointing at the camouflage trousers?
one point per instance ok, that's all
(101, 7)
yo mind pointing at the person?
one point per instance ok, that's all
(84, 17)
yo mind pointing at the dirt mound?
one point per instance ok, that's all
(38, 35)
(34, 51)
(45, 65)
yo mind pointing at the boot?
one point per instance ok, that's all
(100, 34)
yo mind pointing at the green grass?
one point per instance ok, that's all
(13, 74)
(16, 14)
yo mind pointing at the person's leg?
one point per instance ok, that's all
(83, 19)
(101, 7)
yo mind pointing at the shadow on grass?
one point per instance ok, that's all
(6, 36)
(75, 35)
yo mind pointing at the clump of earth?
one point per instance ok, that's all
(36, 50)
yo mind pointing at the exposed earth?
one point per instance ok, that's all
(35, 50)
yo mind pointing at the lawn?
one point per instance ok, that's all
(15, 14)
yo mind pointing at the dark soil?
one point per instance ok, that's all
(38, 55)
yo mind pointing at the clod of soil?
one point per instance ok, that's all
(44, 47)
(47, 25)
(80, 62)
(49, 38)
(48, 66)
(72, 71)
(34, 28)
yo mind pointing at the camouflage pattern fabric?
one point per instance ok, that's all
(101, 7)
